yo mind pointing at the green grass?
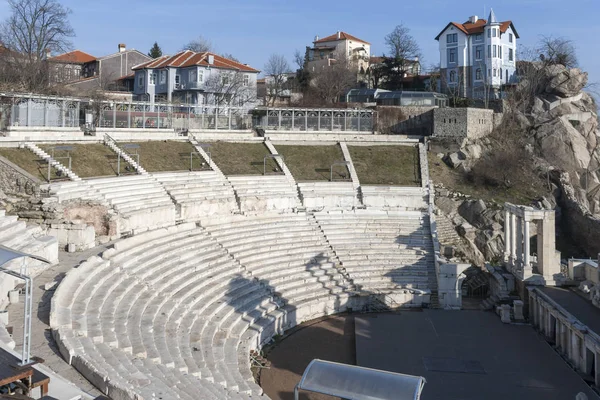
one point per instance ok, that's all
(87, 160)
(161, 156)
(386, 165)
(313, 163)
(27, 160)
(457, 181)
(241, 158)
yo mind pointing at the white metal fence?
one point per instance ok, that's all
(316, 119)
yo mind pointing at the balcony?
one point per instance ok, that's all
(190, 86)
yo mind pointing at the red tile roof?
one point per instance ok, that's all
(472, 28)
(74, 57)
(189, 58)
(343, 36)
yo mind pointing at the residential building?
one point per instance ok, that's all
(195, 78)
(376, 77)
(81, 71)
(341, 44)
(478, 57)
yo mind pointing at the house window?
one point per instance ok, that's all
(452, 76)
(495, 51)
(225, 79)
(494, 72)
(177, 81)
(510, 37)
(500, 74)
(452, 56)
(246, 80)
(478, 74)
(478, 53)
(489, 33)
(153, 78)
(201, 76)
(478, 37)
(500, 52)
(193, 76)
(163, 77)
(510, 55)
(141, 80)
(495, 32)
(506, 76)
(489, 51)
(489, 72)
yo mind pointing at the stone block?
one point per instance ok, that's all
(518, 310)
(505, 313)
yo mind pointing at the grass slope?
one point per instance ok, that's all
(29, 162)
(241, 158)
(313, 163)
(87, 160)
(386, 165)
(162, 156)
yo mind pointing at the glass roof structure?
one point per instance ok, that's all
(358, 383)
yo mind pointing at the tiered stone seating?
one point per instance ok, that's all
(319, 195)
(166, 313)
(199, 194)
(287, 253)
(64, 191)
(141, 202)
(383, 251)
(17, 235)
(260, 193)
(394, 197)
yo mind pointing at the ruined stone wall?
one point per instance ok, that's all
(405, 120)
(16, 181)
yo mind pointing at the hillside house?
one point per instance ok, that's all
(478, 57)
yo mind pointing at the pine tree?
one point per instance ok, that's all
(155, 51)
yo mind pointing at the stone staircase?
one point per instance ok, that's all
(112, 144)
(353, 174)
(48, 158)
(447, 235)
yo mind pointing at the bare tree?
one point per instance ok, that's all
(229, 56)
(331, 82)
(199, 45)
(557, 50)
(452, 81)
(404, 50)
(231, 88)
(276, 69)
(33, 28)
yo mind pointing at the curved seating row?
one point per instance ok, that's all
(198, 194)
(382, 251)
(175, 312)
(263, 193)
(330, 195)
(394, 197)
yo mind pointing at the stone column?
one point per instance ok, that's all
(575, 355)
(507, 238)
(596, 361)
(519, 240)
(518, 310)
(505, 313)
(527, 269)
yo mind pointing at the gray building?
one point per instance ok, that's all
(196, 78)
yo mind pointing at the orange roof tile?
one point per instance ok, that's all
(472, 28)
(343, 36)
(188, 58)
(74, 57)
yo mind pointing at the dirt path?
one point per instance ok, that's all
(331, 339)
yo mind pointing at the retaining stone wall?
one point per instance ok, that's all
(15, 180)
(405, 120)
(472, 123)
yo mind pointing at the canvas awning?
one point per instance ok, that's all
(358, 383)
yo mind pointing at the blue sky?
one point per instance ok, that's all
(253, 29)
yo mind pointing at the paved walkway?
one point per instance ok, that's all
(42, 342)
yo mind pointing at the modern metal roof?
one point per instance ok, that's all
(359, 383)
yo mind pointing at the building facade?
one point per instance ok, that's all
(478, 57)
(327, 50)
(195, 78)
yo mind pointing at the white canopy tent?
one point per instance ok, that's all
(358, 383)
(7, 254)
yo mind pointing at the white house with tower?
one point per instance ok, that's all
(327, 50)
(478, 57)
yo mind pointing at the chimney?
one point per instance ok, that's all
(122, 47)
(339, 35)
(316, 38)
(473, 19)
(211, 59)
(48, 53)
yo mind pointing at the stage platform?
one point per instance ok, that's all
(466, 355)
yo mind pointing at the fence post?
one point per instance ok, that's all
(293, 118)
(332, 118)
(129, 116)
(63, 111)
(143, 116)
(359, 121)
(216, 118)
(229, 119)
(114, 107)
(318, 120)
(158, 117)
(45, 123)
(279, 119)
(29, 112)
(306, 120)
